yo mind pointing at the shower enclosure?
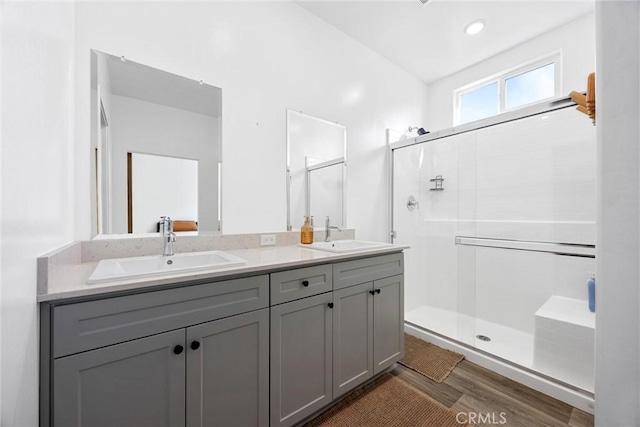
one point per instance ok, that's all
(500, 217)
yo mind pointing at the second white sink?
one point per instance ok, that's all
(344, 245)
(148, 266)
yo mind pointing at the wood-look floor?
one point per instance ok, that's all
(473, 389)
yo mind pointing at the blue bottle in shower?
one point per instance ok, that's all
(591, 288)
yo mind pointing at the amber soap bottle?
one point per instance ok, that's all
(306, 232)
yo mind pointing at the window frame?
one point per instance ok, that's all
(501, 80)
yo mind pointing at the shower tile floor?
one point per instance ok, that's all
(507, 343)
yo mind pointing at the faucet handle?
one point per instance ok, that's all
(166, 224)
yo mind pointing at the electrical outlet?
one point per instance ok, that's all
(267, 240)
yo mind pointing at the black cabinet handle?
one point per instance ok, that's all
(305, 283)
(330, 305)
(377, 291)
(195, 345)
(372, 292)
(178, 349)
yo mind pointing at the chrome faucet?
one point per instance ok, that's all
(328, 227)
(168, 236)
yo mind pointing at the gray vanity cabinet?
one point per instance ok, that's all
(368, 331)
(352, 337)
(301, 358)
(326, 345)
(136, 383)
(266, 350)
(368, 319)
(193, 355)
(143, 382)
(388, 322)
(228, 371)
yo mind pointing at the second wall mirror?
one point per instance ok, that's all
(316, 170)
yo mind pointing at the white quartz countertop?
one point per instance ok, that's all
(70, 280)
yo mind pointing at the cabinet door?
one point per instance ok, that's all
(136, 383)
(388, 322)
(301, 358)
(228, 371)
(352, 337)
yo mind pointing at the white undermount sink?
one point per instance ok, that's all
(149, 266)
(344, 245)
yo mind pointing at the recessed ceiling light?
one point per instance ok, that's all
(474, 27)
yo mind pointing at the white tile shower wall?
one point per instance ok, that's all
(36, 182)
(537, 172)
(266, 57)
(535, 181)
(578, 60)
(439, 225)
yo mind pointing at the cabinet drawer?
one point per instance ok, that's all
(88, 325)
(302, 282)
(363, 270)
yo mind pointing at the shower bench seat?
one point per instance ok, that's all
(564, 344)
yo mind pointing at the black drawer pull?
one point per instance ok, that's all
(195, 345)
(372, 292)
(377, 291)
(178, 349)
(330, 305)
(305, 283)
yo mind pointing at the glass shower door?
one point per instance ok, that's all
(501, 224)
(533, 244)
(430, 193)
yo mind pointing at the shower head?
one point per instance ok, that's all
(420, 131)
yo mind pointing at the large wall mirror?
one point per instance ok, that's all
(316, 170)
(156, 148)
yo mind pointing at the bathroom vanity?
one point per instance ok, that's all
(267, 343)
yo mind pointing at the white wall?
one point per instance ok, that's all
(36, 182)
(576, 40)
(148, 128)
(617, 385)
(266, 57)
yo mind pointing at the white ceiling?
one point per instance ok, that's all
(160, 87)
(429, 42)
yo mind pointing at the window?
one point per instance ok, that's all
(511, 89)
(479, 103)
